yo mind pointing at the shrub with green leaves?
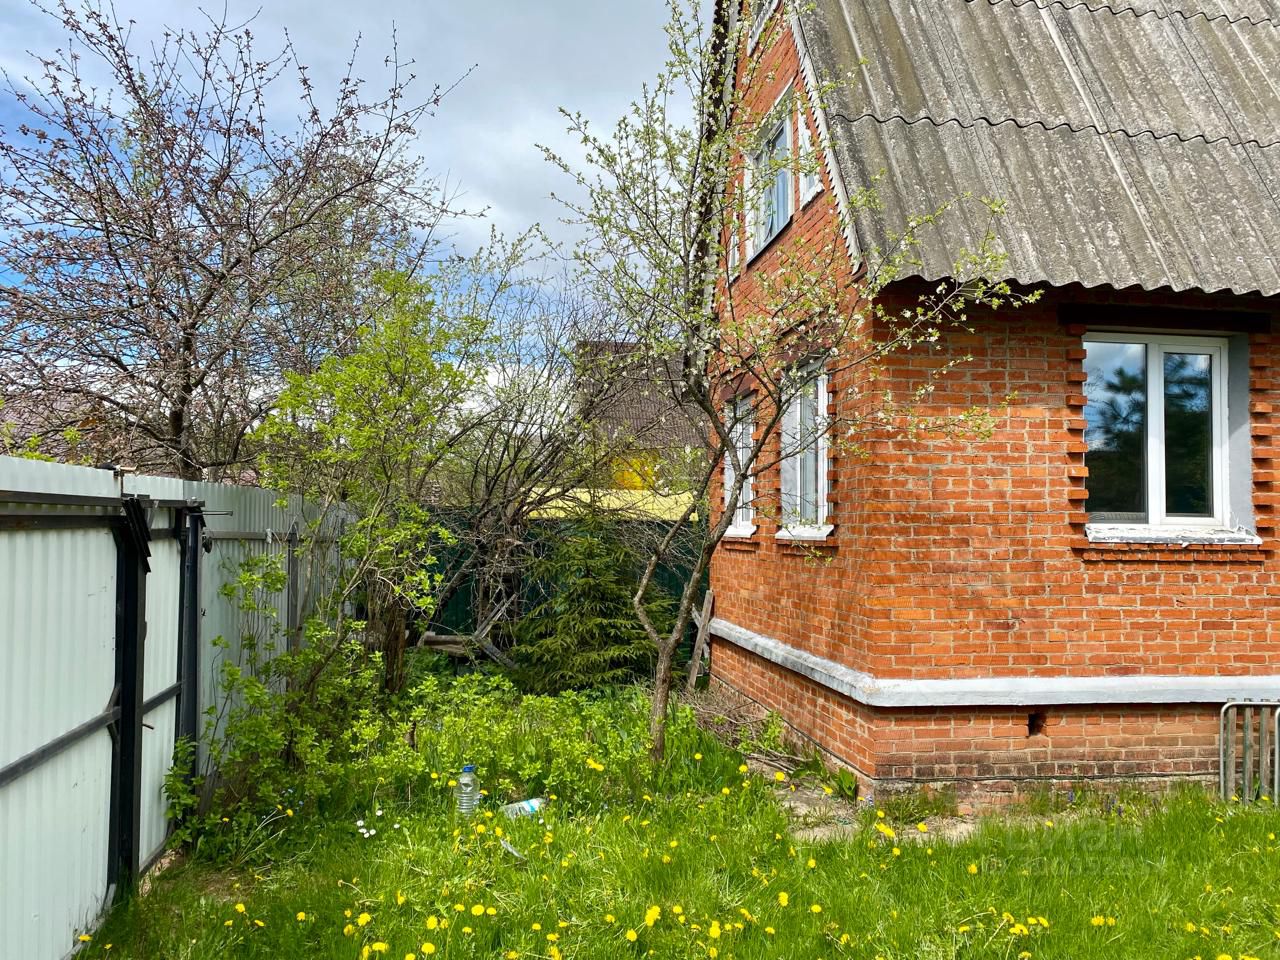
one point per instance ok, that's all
(585, 632)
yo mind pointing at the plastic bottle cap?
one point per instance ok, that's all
(469, 768)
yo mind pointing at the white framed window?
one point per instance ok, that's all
(761, 10)
(733, 242)
(740, 418)
(810, 180)
(770, 181)
(804, 461)
(1156, 433)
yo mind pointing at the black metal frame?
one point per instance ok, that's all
(132, 567)
(124, 716)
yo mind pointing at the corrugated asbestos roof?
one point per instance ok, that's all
(1136, 142)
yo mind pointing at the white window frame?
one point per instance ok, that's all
(810, 179)
(759, 18)
(1158, 524)
(780, 121)
(740, 417)
(790, 526)
(733, 256)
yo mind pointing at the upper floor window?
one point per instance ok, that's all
(1156, 430)
(732, 241)
(804, 458)
(770, 186)
(740, 420)
(810, 180)
(760, 12)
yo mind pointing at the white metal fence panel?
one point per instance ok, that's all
(160, 673)
(57, 655)
(57, 620)
(72, 542)
(158, 734)
(54, 845)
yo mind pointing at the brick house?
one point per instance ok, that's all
(1074, 597)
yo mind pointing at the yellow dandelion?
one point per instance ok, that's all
(300, 916)
(84, 938)
(632, 935)
(428, 948)
(432, 922)
(783, 898)
(363, 920)
(972, 868)
(379, 947)
(922, 827)
(258, 923)
(478, 910)
(652, 915)
(816, 908)
(713, 931)
(780, 777)
(239, 908)
(348, 930)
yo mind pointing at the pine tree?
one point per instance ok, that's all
(585, 633)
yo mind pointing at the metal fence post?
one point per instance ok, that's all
(131, 628)
(293, 613)
(192, 520)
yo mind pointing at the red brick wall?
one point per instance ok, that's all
(967, 557)
(982, 752)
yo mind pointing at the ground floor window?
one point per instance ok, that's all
(804, 460)
(1156, 429)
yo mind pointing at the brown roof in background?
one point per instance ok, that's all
(628, 394)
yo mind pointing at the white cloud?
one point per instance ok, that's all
(530, 58)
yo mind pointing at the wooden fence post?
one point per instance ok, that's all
(704, 625)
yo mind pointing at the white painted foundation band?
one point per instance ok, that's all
(997, 691)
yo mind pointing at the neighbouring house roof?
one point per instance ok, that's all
(1136, 142)
(633, 396)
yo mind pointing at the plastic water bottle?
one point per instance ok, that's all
(524, 808)
(467, 792)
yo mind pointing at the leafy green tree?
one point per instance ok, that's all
(585, 632)
(363, 435)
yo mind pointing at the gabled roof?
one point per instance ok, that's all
(1136, 142)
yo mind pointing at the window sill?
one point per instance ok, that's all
(740, 533)
(808, 198)
(806, 533)
(1168, 536)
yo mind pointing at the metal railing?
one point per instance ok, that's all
(1249, 750)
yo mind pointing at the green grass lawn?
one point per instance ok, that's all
(702, 863)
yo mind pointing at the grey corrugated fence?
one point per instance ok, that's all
(109, 605)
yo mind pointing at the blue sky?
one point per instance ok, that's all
(530, 58)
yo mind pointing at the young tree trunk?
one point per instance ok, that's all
(661, 701)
